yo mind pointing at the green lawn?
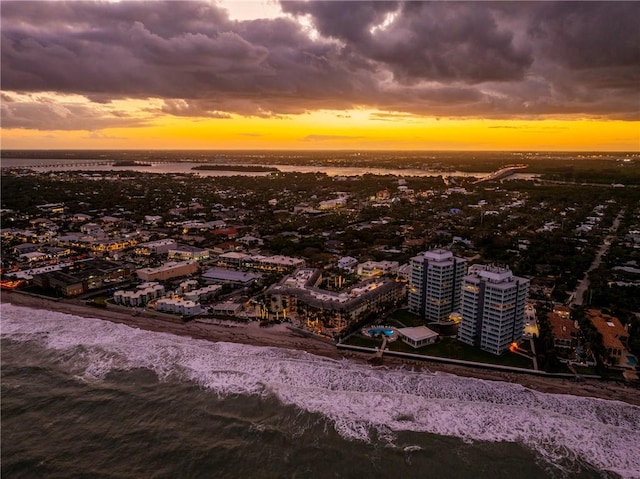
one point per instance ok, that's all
(363, 341)
(451, 348)
(447, 348)
(407, 318)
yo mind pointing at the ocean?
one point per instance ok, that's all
(89, 398)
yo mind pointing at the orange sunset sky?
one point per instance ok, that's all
(321, 75)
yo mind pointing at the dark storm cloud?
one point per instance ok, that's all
(195, 109)
(497, 60)
(434, 41)
(586, 35)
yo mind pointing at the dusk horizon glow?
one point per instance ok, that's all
(263, 75)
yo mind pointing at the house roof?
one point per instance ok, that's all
(610, 327)
(562, 328)
(417, 333)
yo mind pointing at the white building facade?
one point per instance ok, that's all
(493, 309)
(434, 284)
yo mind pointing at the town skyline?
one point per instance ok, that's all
(321, 76)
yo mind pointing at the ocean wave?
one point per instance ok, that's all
(356, 398)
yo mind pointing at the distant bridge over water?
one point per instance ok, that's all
(59, 164)
(502, 173)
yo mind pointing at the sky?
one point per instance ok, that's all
(340, 75)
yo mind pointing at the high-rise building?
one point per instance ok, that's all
(436, 279)
(493, 308)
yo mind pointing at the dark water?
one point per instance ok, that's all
(130, 424)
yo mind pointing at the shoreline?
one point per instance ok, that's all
(283, 337)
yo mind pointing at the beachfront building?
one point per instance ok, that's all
(206, 293)
(434, 284)
(329, 312)
(417, 336)
(144, 293)
(82, 276)
(564, 331)
(169, 270)
(493, 308)
(615, 339)
(227, 308)
(178, 306)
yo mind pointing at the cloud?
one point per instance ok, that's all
(189, 108)
(424, 41)
(98, 135)
(50, 112)
(444, 59)
(587, 35)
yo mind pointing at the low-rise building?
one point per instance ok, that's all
(141, 296)
(233, 259)
(332, 204)
(171, 269)
(614, 336)
(260, 262)
(178, 306)
(205, 293)
(112, 244)
(563, 330)
(417, 336)
(25, 248)
(227, 308)
(83, 276)
(328, 311)
(33, 257)
(348, 263)
(188, 253)
(277, 263)
(376, 268)
(227, 276)
(155, 247)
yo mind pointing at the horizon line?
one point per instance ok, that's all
(307, 150)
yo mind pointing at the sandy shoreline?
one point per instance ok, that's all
(283, 337)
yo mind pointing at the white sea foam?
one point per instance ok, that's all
(355, 397)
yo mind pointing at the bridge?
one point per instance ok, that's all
(84, 164)
(502, 173)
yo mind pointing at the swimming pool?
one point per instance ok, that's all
(385, 331)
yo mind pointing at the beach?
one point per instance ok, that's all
(281, 336)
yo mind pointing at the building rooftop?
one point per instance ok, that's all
(613, 333)
(562, 327)
(167, 266)
(563, 311)
(417, 333)
(496, 274)
(438, 255)
(230, 275)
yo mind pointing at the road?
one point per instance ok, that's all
(583, 286)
